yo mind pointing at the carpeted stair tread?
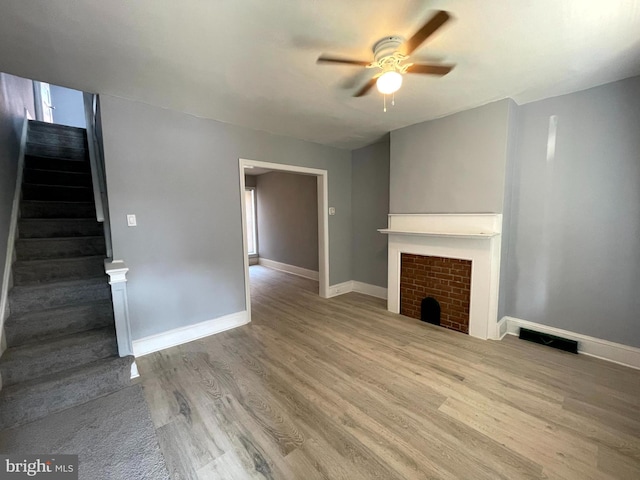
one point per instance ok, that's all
(62, 348)
(28, 401)
(59, 164)
(32, 191)
(35, 326)
(60, 247)
(56, 209)
(57, 137)
(29, 272)
(36, 126)
(34, 360)
(29, 298)
(59, 227)
(56, 151)
(56, 177)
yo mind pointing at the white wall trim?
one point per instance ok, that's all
(358, 287)
(592, 346)
(501, 329)
(13, 224)
(371, 290)
(299, 271)
(189, 333)
(340, 288)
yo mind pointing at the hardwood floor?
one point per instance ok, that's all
(342, 389)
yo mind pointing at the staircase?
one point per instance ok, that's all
(60, 333)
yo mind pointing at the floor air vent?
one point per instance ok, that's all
(549, 340)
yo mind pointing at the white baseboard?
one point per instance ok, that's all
(299, 271)
(358, 287)
(340, 289)
(592, 346)
(501, 329)
(371, 290)
(134, 370)
(189, 333)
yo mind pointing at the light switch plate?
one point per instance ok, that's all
(332, 210)
(131, 220)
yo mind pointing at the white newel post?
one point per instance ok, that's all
(117, 271)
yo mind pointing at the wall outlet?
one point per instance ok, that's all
(332, 210)
(131, 220)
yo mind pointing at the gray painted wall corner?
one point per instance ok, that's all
(370, 200)
(511, 159)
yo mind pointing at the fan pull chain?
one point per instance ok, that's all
(393, 99)
(384, 103)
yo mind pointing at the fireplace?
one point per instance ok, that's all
(436, 284)
(472, 238)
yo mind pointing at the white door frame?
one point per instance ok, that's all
(323, 221)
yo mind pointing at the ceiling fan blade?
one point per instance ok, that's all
(430, 69)
(426, 31)
(365, 89)
(346, 61)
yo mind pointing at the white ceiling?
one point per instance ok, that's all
(252, 62)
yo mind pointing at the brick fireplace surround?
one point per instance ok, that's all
(448, 280)
(473, 237)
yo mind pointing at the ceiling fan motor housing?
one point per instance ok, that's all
(387, 46)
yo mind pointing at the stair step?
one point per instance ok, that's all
(29, 272)
(56, 137)
(55, 151)
(47, 128)
(47, 357)
(59, 164)
(29, 298)
(31, 191)
(56, 322)
(59, 227)
(25, 402)
(63, 247)
(57, 177)
(52, 209)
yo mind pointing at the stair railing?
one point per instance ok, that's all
(116, 269)
(98, 175)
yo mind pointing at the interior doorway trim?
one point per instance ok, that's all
(323, 221)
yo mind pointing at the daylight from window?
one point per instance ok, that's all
(250, 205)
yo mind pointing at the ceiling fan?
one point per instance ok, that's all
(391, 63)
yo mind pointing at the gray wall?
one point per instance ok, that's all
(179, 174)
(288, 219)
(370, 206)
(15, 94)
(69, 107)
(454, 164)
(574, 253)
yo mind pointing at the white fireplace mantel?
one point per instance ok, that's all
(474, 237)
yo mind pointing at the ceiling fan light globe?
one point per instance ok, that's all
(389, 82)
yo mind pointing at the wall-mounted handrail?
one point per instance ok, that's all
(98, 176)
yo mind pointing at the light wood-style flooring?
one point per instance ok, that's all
(342, 389)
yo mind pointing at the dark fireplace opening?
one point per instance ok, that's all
(430, 310)
(427, 281)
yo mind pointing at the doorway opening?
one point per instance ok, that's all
(251, 239)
